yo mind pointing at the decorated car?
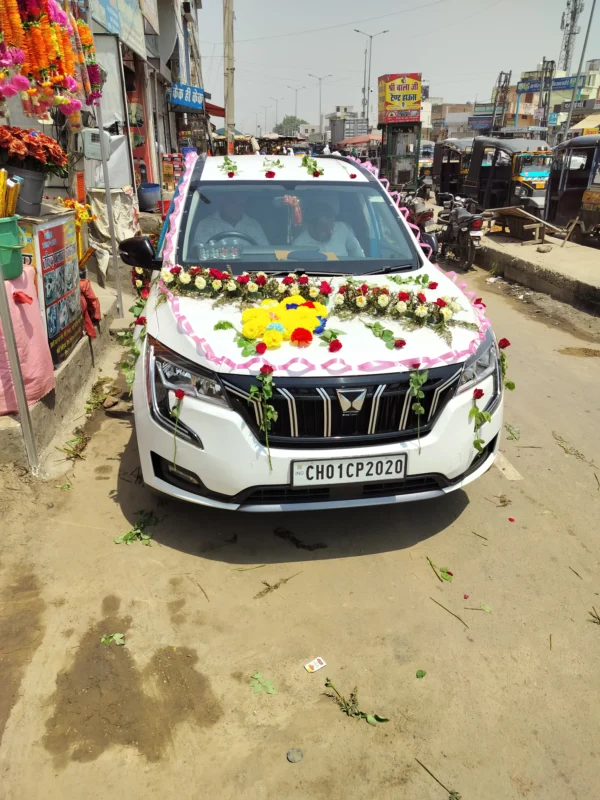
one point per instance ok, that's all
(296, 349)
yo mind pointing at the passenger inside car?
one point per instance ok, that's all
(327, 234)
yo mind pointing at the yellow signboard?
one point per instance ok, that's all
(399, 97)
(591, 131)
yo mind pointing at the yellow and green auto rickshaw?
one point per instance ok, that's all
(451, 159)
(509, 172)
(574, 189)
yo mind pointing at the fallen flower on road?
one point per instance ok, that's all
(511, 519)
(465, 596)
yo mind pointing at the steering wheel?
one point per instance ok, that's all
(230, 234)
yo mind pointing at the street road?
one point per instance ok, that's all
(508, 707)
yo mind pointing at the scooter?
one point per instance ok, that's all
(462, 233)
(422, 215)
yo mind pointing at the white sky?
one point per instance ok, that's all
(460, 46)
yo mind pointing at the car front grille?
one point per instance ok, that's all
(344, 412)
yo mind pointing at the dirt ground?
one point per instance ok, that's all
(509, 704)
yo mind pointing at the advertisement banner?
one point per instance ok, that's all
(558, 84)
(480, 123)
(399, 97)
(483, 109)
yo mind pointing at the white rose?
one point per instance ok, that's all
(217, 285)
(252, 287)
(445, 313)
(313, 291)
(139, 284)
(166, 276)
(401, 307)
(139, 270)
(282, 289)
(292, 275)
(383, 300)
(200, 283)
(231, 286)
(447, 299)
(185, 277)
(361, 301)
(261, 274)
(339, 300)
(454, 307)
(421, 311)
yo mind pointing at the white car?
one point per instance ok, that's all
(302, 241)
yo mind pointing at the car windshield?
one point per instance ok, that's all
(335, 228)
(535, 166)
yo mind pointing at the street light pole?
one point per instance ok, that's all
(296, 101)
(364, 99)
(277, 99)
(579, 71)
(320, 101)
(265, 128)
(368, 92)
(229, 72)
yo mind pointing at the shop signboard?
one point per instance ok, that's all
(106, 13)
(558, 84)
(483, 109)
(187, 96)
(399, 97)
(124, 18)
(480, 123)
(51, 247)
(553, 118)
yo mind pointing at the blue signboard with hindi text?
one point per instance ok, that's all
(188, 96)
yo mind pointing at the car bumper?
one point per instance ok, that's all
(230, 470)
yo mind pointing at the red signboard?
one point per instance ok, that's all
(399, 97)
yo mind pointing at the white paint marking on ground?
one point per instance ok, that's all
(507, 469)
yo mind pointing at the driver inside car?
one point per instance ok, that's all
(230, 216)
(327, 234)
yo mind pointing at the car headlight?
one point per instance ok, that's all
(521, 190)
(173, 372)
(481, 364)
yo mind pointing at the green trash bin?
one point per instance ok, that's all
(10, 248)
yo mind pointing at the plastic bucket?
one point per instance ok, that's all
(148, 195)
(11, 264)
(29, 203)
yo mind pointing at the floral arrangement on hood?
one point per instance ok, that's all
(31, 150)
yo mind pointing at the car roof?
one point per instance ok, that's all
(253, 168)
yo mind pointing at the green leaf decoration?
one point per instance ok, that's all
(421, 673)
(223, 325)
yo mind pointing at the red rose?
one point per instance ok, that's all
(266, 369)
(325, 288)
(479, 302)
(194, 270)
(231, 174)
(403, 296)
(260, 280)
(432, 285)
(179, 394)
(503, 344)
(269, 174)
(287, 281)
(342, 290)
(441, 303)
(449, 573)
(144, 293)
(175, 270)
(316, 173)
(261, 348)
(364, 288)
(416, 365)
(308, 304)
(335, 345)
(353, 175)
(477, 394)
(422, 297)
(303, 280)
(399, 343)
(141, 321)
(301, 337)
(243, 279)
(216, 274)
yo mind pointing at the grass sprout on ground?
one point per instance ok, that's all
(138, 533)
(74, 447)
(350, 707)
(116, 638)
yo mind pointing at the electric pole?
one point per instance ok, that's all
(265, 128)
(229, 72)
(580, 70)
(368, 92)
(364, 89)
(320, 101)
(570, 29)
(277, 99)
(296, 100)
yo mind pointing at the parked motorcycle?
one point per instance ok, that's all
(462, 231)
(422, 215)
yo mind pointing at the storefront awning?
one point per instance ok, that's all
(213, 110)
(593, 121)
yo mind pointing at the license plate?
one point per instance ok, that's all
(348, 470)
(476, 234)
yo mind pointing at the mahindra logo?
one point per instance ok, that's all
(351, 400)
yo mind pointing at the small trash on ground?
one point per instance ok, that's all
(294, 755)
(491, 280)
(594, 616)
(544, 248)
(315, 664)
(272, 587)
(421, 673)
(452, 795)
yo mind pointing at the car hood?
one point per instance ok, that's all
(187, 326)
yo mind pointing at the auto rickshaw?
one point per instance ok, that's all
(509, 172)
(574, 189)
(451, 159)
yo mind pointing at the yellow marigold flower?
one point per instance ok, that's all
(253, 329)
(258, 315)
(269, 303)
(272, 339)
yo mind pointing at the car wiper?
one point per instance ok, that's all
(391, 268)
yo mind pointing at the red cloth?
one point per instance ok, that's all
(32, 345)
(90, 308)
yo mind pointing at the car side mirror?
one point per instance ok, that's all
(138, 252)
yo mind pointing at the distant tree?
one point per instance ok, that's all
(289, 125)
